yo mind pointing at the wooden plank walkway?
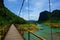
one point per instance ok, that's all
(13, 34)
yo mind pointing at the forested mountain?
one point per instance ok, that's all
(7, 17)
(45, 16)
(56, 14)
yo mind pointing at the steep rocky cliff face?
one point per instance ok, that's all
(45, 16)
(56, 14)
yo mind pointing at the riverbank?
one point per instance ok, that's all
(45, 33)
(55, 25)
(27, 27)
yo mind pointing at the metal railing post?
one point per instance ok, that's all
(28, 35)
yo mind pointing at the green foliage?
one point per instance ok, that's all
(7, 17)
(27, 27)
(44, 16)
(54, 16)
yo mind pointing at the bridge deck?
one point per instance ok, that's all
(13, 34)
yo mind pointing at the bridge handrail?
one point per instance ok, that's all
(41, 38)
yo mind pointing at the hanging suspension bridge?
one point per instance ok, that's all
(13, 33)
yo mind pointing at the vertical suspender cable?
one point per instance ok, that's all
(20, 12)
(28, 19)
(28, 11)
(50, 5)
(50, 19)
(21, 7)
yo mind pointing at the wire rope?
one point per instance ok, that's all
(50, 19)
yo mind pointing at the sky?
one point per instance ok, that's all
(35, 7)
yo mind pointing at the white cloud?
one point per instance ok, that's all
(38, 4)
(12, 0)
(31, 9)
(55, 5)
(26, 0)
(51, 4)
(26, 8)
(35, 8)
(38, 7)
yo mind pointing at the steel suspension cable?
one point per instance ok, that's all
(21, 6)
(28, 10)
(28, 19)
(50, 19)
(50, 5)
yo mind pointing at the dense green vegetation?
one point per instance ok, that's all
(3, 31)
(54, 16)
(23, 28)
(44, 16)
(50, 18)
(7, 17)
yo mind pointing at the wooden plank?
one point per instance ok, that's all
(13, 34)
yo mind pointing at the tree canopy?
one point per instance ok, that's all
(45, 16)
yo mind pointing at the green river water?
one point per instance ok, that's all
(45, 33)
